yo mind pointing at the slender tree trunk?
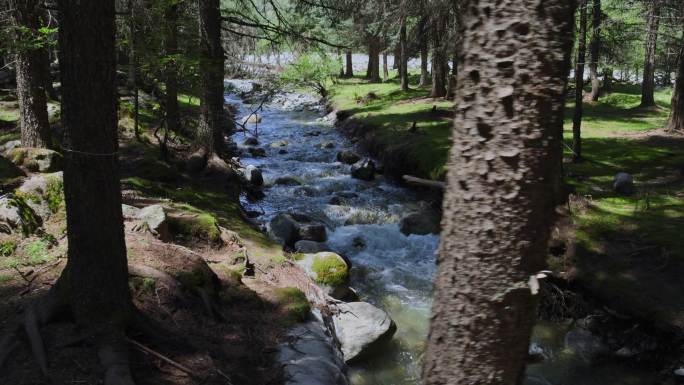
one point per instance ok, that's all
(579, 84)
(396, 63)
(595, 50)
(403, 58)
(133, 65)
(374, 62)
(648, 83)
(35, 129)
(171, 70)
(369, 70)
(607, 79)
(424, 74)
(677, 114)
(385, 69)
(439, 70)
(96, 274)
(211, 69)
(497, 206)
(350, 67)
(451, 85)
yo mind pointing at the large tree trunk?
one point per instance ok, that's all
(424, 73)
(96, 274)
(677, 114)
(211, 68)
(35, 129)
(595, 48)
(171, 71)
(498, 206)
(349, 72)
(403, 58)
(579, 84)
(439, 66)
(374, 62)
(648, 83)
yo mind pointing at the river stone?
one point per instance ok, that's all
(361, 328)
(284, 229)
(327, 145)
(421, 223)
(36, 159)
(280, 143)
(257, 152)
(287, 181)
(623, 183)
(154, 219)
(309, 356)
(253, 175)
(255, 118)
(585, 344)
(251, 141)
(305, 246)
(312, 232)
(348, 157)
(364, 170)
(329, 270)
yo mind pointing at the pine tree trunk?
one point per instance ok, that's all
(677, 114)
(210, 134)
(497, 206)
(369, 70)
(648, 83)
(424, 74)
(171, 71)
(595, 50)
(579, 84)
(96, 273)
(403, 58)
(439, 70)
(374, 61)
(350, 67)
(29, 65)
(385, 68)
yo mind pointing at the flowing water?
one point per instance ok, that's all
(390, 270)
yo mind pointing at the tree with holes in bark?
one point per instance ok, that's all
(648, 82)
(210, 133)
(676, 123)
(498, 206)
(595, 48)
(579, 83)
(31, 92)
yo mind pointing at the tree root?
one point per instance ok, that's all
(33, 332)
(114, 358)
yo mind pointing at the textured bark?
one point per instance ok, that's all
(648, 83)
(210, 134)
(349, 72)
(133, 63)
(96, 273)
(579, 83)
(403, 56)
(424, 73)
(595, 48)
(439, 65)
(373, 62)
(31, 92)
(171, 70)
(677, 115)
(385, 68)
(498, 206)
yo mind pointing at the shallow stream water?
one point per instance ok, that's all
(390, 270)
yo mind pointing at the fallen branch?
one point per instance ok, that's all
(424, 182)
(161, 357)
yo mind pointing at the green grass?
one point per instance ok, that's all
(37, 253)
(392, 113)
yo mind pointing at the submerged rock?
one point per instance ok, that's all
(348, 157)
(251, 141)
(421, 223)
(327, 145)
(254, 175)
(254, 118)
(623, 183)
(257, 152)
(364, 170)
(362, 328)
(287, 181)
(280, 143)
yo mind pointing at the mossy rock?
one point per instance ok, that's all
(327, 269)
(195, 225)
(17, 215)
(9, 172)
(36, 159)
(294, 302)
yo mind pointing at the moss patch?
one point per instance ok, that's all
(195, 224)
(294, 302)
(330, 270)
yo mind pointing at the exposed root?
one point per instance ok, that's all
(114, 358)
(33, 332)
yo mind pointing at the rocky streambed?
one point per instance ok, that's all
(370, 244)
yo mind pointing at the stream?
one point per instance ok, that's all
(390, 270)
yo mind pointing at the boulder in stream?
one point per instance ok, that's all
(287, 181)
(348, 157)
(257, 152)
(362, 328)
(364, 170)
(305, 246)
(421, 223)
(253, 175)
(329, 270)
(251, 141)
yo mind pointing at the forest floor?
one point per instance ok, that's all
(233, 340)
(625, 251)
